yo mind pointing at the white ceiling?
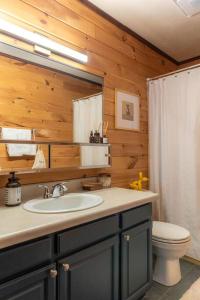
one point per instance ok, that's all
(160, 22)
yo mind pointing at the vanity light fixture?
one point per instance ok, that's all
(37, 39)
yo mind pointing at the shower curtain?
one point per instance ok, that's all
(174, 135)
(87, 116)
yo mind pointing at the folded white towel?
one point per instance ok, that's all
(18, 149)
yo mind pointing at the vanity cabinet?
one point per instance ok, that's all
(107, 259)
(136, 252)
(38, 285)
(91, 273)
(136, 261)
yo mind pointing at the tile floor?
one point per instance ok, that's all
(190, 273)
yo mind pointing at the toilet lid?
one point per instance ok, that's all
(170, 232)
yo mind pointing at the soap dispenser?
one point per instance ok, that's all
(13, 191)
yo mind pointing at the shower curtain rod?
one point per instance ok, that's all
(174, 72)
(87, 97)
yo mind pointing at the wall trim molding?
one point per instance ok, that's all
(135, 35)
(189, 60)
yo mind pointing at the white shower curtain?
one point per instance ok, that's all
(174, 135)
(87, 116)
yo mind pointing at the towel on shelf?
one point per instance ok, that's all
(17, 150)
(40, 161)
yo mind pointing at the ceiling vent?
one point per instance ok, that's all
(189, 7)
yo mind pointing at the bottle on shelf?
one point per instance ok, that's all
(91, 139)
(96, 136)
(105, 129)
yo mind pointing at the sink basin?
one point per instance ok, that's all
(66, 203)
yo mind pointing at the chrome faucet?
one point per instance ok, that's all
(58, 190)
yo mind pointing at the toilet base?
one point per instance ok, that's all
(167, 271)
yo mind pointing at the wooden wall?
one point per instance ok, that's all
(124, 62)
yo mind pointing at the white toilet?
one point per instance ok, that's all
(170, 243)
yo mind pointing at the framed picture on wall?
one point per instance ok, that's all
(127, 111)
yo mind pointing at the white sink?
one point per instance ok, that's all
(68, 203)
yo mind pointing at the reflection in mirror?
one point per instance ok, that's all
(57, 108)
(41, 99)
(87, 117)
(16, 157)
(62, 156)
(92, 156)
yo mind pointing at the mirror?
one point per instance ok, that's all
(65, 156)
(87, 117)
(41, 99)
(45, 101)
(12, 160)
(79, 156)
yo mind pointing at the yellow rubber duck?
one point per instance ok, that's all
(137, 184)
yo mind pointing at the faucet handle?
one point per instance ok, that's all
(64, 186)
(46, 194)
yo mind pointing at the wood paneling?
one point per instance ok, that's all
(124, 62)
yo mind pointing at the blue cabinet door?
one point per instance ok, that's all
(136, 261)
(91, 274)
(38, 285)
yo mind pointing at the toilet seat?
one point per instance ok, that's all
(171, 241)
(169, 233)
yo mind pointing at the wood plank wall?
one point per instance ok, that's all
(124, 62)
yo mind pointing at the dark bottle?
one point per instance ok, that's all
(13, 191)
(91, 139)
(96, 136)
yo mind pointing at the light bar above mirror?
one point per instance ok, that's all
(37, 39)
(47, 62)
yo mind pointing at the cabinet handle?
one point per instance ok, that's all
(65, 267)
(53, 273)
(127, 237)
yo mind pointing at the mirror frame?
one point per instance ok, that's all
(44, 61)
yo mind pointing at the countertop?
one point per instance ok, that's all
(18, 225)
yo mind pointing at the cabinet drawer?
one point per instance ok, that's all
(24, 257)
(85, 235)
(137, 215)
